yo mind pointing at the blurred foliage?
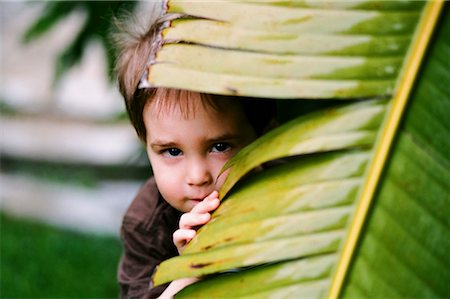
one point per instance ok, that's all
(39, 261)
(80, 174)
(98, 25)
(6, 109)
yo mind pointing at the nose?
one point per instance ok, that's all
(199, 173)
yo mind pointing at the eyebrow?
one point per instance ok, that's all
(162, 143)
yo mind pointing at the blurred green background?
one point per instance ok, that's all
(70, 162)
(41, 261)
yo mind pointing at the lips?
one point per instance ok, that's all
(192, 199)
(196, 199)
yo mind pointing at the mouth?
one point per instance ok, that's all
(195, 200)
(197, 197)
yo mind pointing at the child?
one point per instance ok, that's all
(189, 136)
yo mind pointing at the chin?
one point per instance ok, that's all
(190, 204)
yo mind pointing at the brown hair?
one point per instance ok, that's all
(137, 46)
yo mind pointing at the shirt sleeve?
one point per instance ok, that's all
(137, 265)
(146, 235)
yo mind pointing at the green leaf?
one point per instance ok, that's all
(229, 254)
(166, 75)
(382, 5)
(224, 35)
(345, 127)
(249, 255)
(404, 248)
(306, 197)
(293, 19)
(278, 66)
(264, 278)
(284, 51)
(320, 188)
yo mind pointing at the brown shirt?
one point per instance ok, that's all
(146, 234)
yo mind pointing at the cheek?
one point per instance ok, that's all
(163, 181)
(167, 179)
(170, 187)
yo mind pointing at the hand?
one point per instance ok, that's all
(198, 216)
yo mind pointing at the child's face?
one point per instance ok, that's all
(188, 152)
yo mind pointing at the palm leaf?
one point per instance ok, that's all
(292, 230)
(269, 50)
(408, 227)
(342, 128)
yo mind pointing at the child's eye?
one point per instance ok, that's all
(173, 152)
(220, 147)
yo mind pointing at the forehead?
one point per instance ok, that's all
(195, 117)
(188, 104)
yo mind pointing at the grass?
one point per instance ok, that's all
(39, 261)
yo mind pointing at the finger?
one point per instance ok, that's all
(190, 220)
(206, 206)
(210, 203)
(182, 236)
